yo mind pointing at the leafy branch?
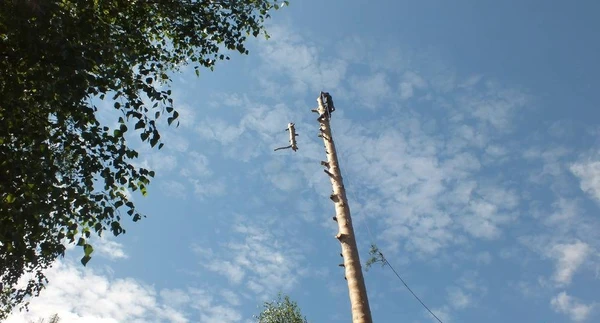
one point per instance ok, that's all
(375, 257)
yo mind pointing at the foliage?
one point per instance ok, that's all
(64, 176)
(282, 310)
(52, 319)
(375, 257)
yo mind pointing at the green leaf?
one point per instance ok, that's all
(155, 139)
(10, 198)
(140, 124)
(116, 228)
(85, 260)
(87, 249)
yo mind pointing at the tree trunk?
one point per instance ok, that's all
(359, 302)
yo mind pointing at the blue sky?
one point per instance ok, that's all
(468, 140)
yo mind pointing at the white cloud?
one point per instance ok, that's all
(493, 105)
(258, 131)
(218, 130)
(496, 151)
(109, 248)
(552, 164)
(569, 254)
(258, 259)
(279, 174)
(175, 297)
(406, 90)
(566, 211)
(187, 115)
(420, 198)
(471, 81)
(81, 295)
(204, 189)
(289, 55)
(589, 176)
(483, 258)
(458, 298)
(174, 189)
(159, 161)
(569, 258)
(233, 271)
(576, 310)
(488, 210)
(173, 142)
(220, 314)
(209, 308)
(231, 297)
(198, 165)
(410, 82)
(442, 313)
(527, 288)
(371, 90)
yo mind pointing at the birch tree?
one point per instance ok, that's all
(64, 174)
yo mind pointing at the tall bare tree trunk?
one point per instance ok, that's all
(361, 313)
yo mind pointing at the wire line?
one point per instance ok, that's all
(364, 218)
(410, 290)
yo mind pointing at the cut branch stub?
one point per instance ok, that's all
(340, 236)
(329, 173)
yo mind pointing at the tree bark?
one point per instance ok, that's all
(361, 313)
